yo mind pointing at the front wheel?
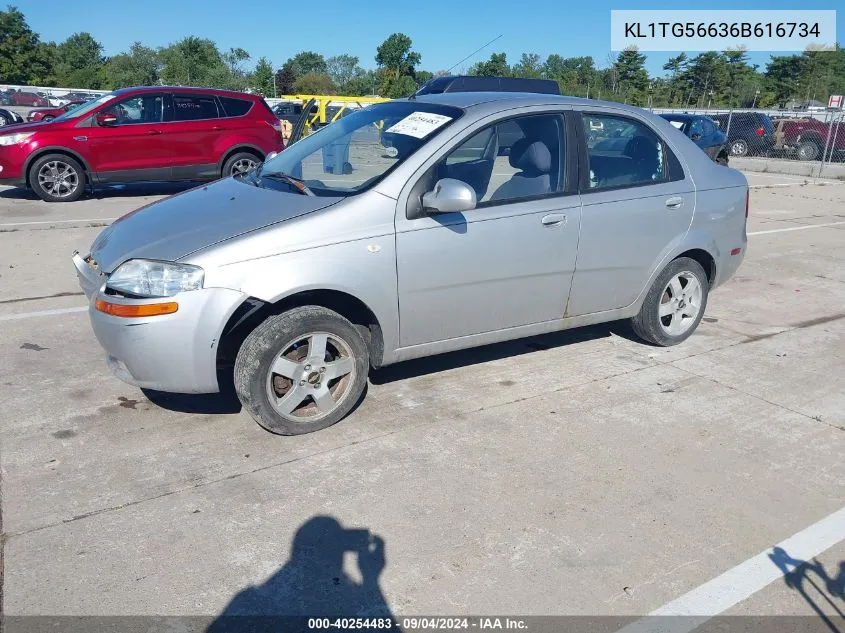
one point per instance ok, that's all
(674, 304)
(57, 178)
(301, 371)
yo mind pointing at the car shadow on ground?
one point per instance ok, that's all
(226, 401)
(825, 594)
(313, 581)
(132, 190)
(498, 351)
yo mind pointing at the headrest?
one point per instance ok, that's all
(641, 148)
(533, 158)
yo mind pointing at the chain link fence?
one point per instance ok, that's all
(810, 143)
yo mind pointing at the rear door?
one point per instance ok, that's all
(194, 122)
(636, 201)
(132, 147)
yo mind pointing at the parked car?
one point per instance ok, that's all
(472, 83)
(48, 114)
(809, 137)
(703, 132)
(749, 134)
(7, 117)
(5, 98)
(304, 277)
(28, 99)
(133, 134)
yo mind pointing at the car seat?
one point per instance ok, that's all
(644, 156)
(533, 159)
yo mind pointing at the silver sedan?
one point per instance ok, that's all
(411, 228)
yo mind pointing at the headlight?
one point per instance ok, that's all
(144, 278)
(14, 139)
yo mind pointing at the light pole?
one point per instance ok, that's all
(754, 103)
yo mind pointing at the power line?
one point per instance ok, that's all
(474, 52)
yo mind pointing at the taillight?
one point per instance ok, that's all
(747, 201)
(760, 131)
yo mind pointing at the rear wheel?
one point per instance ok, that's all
(809, 150)
(674, 304)
(739, 148)
(57, 178)
(240, 163)
(301, 371)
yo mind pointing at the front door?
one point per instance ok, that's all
(132, 148)
(636, 200)
(504, 264)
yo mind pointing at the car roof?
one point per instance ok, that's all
(495, 101)
(681, 116)
(214, 91)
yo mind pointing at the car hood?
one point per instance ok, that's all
(177, 226)
(24, 127)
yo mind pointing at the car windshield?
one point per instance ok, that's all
(84, 108)
(356, 151)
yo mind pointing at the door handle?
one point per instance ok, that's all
(554, 219)
(152, 132)
(217, 128)
(674, 203)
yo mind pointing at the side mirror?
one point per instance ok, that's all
(105, 119)
(695, 137)
(449, 196)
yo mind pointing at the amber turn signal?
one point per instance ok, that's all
(142, 310)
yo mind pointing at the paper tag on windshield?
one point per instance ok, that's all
(677, 124)
(419, 124)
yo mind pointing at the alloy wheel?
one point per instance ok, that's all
(311, 376)
(58, 179)
(739, 148)
(242, 166)
(680, 303)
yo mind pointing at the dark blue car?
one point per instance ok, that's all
(704, 132)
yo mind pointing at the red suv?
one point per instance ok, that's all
(134, 134)
(28, 99)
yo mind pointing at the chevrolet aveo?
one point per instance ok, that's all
(405, 230)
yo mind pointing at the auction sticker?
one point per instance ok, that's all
(419, 124)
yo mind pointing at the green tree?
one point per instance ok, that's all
(285, 79)
(575, 75)
(367, 83)
(631, 76)
(139, 67)
(307, 62)
(262, 77)
(343, 69)
(675, 66)
(235, 59)
(192, 61)
(79, 62)
(314, 84)
(395, 86)
(529, 65)
(23, 59)
(496, 66)
(706, 79)
(395, 54)
(423, 76)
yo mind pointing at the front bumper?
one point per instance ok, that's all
(12, 161)
(172, 352)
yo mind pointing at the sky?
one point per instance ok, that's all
(443, 31)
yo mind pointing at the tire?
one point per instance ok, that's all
(239, 163)
(722, 159)
(283, 343)
(739, 147)
(51, 167)
(665, 331)
(809, 150)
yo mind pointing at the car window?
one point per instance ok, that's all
(512, 160)
(146, 108)
(622, 152)
(235, 107)
(194, 107)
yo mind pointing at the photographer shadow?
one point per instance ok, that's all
(313, 583)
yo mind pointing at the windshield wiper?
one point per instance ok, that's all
(296, 183)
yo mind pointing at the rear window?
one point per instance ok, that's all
(235, 107)
(194, 107)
